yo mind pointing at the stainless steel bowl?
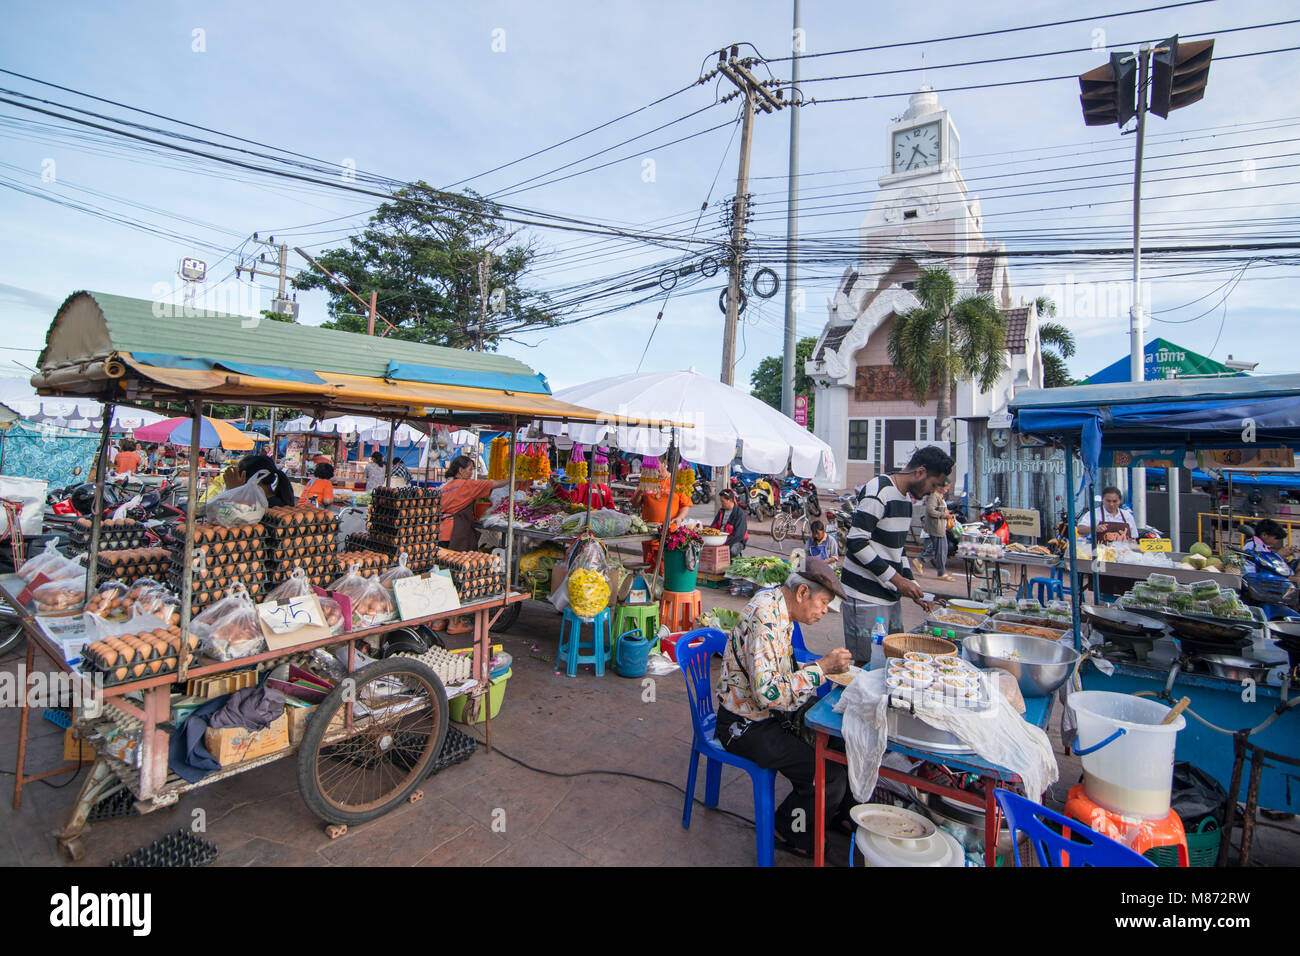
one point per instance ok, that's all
(1237, 668)
(1038, 665)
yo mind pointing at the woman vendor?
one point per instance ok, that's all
(1270, 538)
(731, 520)
(276, 484)
(459, 493)
(321, 489)
(1114, 521)
(661, 502)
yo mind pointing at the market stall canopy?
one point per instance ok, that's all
(212, 432)
(1259, 410)
(366, 428)
(721, 416)
(132, 350)
(18, 394)
(1163, 359)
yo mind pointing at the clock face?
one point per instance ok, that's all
(916, 148)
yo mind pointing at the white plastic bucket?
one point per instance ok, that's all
(1132, 773)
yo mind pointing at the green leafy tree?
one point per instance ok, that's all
(1056, 336)
(944, 340)
(421, 252)
(765, 380)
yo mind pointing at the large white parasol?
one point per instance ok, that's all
(721, 416)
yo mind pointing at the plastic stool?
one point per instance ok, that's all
(639, 617)
(679, 609)
(1045, 589)
(1139, 835)
(571, 645)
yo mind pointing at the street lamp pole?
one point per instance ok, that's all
(1137, 357)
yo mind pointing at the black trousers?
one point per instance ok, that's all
(770, 745)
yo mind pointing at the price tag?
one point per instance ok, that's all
(420, 596)
(1159, 545)
(289, 623)
(285, 616)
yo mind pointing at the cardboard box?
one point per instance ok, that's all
(232, 745)
(77, 749)
(297, 720)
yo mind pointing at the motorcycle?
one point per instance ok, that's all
(1269, 586)
(839, 520)
(994, 522)
(764, 498)
(702, 492)
(801, 498)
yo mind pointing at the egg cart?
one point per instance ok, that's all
(220, 360)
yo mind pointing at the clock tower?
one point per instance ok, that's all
(923, 216)
(923, 199)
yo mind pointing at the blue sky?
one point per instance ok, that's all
(416, 90)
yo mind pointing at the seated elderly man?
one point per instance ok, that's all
(762, 687)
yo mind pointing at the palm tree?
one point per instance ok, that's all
(945, 340)
(1058, 337)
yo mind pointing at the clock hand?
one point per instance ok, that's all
(915, 150)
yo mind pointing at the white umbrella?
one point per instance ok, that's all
(721, 416)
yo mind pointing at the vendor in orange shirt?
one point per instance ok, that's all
(321, 487)
(658, 502)
(127, 461)
(459, 492)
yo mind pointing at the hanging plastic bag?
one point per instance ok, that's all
(396, 573)
(586, 584)
(156, 600)
(371, 603)
(48, 562)
(240, 506)
(299, 585)
(229, 629)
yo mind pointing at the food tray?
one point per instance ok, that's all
(961, 630)
(1038, 560)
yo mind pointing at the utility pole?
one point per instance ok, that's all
(484, 274)
(280, 305)
(788, 372)
(1137, 355)
(757, 96)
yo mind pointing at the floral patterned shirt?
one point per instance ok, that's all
(759, 673)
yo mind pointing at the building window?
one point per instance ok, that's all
(879, 443)
(923, 427)
(859, 439)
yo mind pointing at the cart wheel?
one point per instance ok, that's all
(73, 848)
(336, 830)
(399, 723)
(508, 618)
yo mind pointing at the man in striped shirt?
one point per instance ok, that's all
(876, 573)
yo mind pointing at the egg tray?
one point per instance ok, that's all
(142, 648)
(112, 539)
(405, 498)
(120, 803)
(305, 551)
(294, 532)
(209, 533)
(479, 592)
(178, 849)
(423, 531)
(276, 523)
(131, 572)
(370, 564)
(126, 673)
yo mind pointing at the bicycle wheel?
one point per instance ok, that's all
(399, 724)
(782, 527)
(11, 633)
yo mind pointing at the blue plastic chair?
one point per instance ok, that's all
(1086, 847)
(571, 646)
(695, 659)
(804, 656)
(1046, 589)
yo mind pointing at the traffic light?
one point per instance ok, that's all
(1109, 93)
(1179, 72)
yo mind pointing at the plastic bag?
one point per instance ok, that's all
(371, 603)
(395, 573)
(51, 563)
(63, 594)
(155, 599)
(110, 602)
(240, 506)
(299, 585)
(230, 629)
(605, 523)
(586, 584)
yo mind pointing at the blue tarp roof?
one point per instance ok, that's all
(1269, 479)
(1202, 413)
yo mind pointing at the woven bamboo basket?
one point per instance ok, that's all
(896, 645)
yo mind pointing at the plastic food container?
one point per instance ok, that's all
(917, 657)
